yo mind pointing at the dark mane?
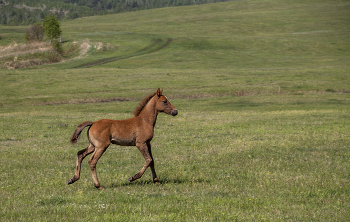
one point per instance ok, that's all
(143, 103)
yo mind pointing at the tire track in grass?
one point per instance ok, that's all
(156, 46)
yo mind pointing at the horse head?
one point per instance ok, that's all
(164, 105)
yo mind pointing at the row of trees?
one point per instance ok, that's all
(25, 12)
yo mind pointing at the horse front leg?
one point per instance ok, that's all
(145, 151)
(80, 156)
(154, 175)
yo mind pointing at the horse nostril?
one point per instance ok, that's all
(174, 113)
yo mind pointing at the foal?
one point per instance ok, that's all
(136, 131)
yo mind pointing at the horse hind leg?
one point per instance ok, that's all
(80, 156)
(92, 163)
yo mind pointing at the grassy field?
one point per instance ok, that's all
(262, 89)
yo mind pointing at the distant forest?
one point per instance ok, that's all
(26, 12)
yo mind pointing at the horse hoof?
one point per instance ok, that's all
(70, 181)
(130, 179)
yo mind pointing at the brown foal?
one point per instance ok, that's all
(136, 131)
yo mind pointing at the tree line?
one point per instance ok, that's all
(27, 12)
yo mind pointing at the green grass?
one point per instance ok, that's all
(262, 134)
(245, 164)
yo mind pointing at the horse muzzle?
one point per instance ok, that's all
(174, 112)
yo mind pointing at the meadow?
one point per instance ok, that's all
(263, 94)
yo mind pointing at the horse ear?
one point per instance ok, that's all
(159, 92)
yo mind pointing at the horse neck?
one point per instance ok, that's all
(149, 112)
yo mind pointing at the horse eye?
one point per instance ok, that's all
(165, 101)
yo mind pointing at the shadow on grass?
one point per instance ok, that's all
(163, 181)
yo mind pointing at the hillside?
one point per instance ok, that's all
(24, 12)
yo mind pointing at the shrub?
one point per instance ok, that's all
(35, 33)
(57, 46)
(53, 57)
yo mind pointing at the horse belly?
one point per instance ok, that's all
(123, 141)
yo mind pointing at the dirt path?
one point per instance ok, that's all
(156, 46)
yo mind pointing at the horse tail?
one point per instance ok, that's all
(77, 132)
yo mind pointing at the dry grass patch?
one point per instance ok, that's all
(24, 55)
(15, 49)
(16, 56)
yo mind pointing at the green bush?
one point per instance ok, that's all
(35, 33)
(53, 57)
(57, 46)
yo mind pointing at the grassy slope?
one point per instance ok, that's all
(240, 148)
